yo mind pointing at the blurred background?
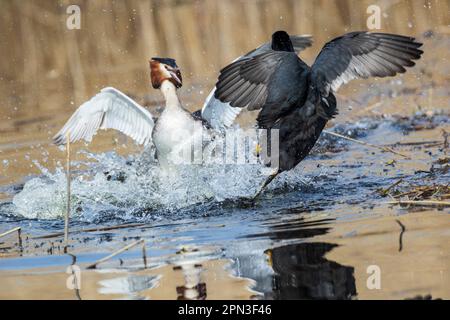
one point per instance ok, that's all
(47, 71)
(46, 68)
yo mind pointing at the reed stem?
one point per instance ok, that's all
(11, 231)
(387, 149)
(131, 245)
(421, 202)
(66, 219)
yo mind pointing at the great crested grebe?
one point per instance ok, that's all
(111, 109)
(297, 99)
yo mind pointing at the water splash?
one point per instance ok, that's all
(133, 187)
(136, 188)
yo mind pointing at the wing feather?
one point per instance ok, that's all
(251, 72)
(109, 109)
(363, 55)
(221, 115)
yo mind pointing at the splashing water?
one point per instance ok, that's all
(137, 188)
(133, 187)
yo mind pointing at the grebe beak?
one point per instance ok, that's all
(176, 76)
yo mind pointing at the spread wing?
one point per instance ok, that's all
(272, 81)
(301, 42)
(109, 109)
(221, 115)
(245, 83)
(363, 55)
(218, 114)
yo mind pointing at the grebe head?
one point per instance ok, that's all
(162, 69)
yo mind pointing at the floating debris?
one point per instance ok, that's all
(19, 234)
(383, 148)
(416, 193)
(421, 121)
(400, 238)
(441, 166)
(422, 203)
(131, 245)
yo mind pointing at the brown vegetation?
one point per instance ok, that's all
(45, 67)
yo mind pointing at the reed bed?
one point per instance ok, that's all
(46, 67)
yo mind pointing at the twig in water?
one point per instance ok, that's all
(422, 202)
(369, 108)
(19, 234)
(415, 143)
(445, 134)
(122, 226)
(94, 265)
(144, 255)
(9, 232)
(383, 148)
(385, 192)
(66, 220)
(400, 239)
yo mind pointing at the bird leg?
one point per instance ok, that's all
(264, 185)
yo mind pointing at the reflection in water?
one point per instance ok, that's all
(298, 270)
(193, 288)
(130, 286)
(302, 272)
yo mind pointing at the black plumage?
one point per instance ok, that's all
(298, 99)
(168, 61)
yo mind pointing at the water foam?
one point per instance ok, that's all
(133, 186)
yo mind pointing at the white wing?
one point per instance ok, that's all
(109, 109)
(221, 115)
(218, 114)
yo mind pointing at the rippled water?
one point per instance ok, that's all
(132, 188)
(197, 227)
(315, 233)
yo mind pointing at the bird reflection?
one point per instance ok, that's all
(193, 288)
(299, 270)
(303, 272)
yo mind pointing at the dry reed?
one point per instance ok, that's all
(131, 245)
(383, 148)
(67, 215)
(45, 66)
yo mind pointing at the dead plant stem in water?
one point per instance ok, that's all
(386, 149)
(18, 230)
(122, 226)
(400, 238)
(66, 220)
(131, 245)
(421, 202)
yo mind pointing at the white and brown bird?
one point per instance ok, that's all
(112, 109)
(176, 128)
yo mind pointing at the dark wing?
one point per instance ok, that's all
(302, 42)
(221, 115)
(362, 55)
(260, 80)
(244, 83)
